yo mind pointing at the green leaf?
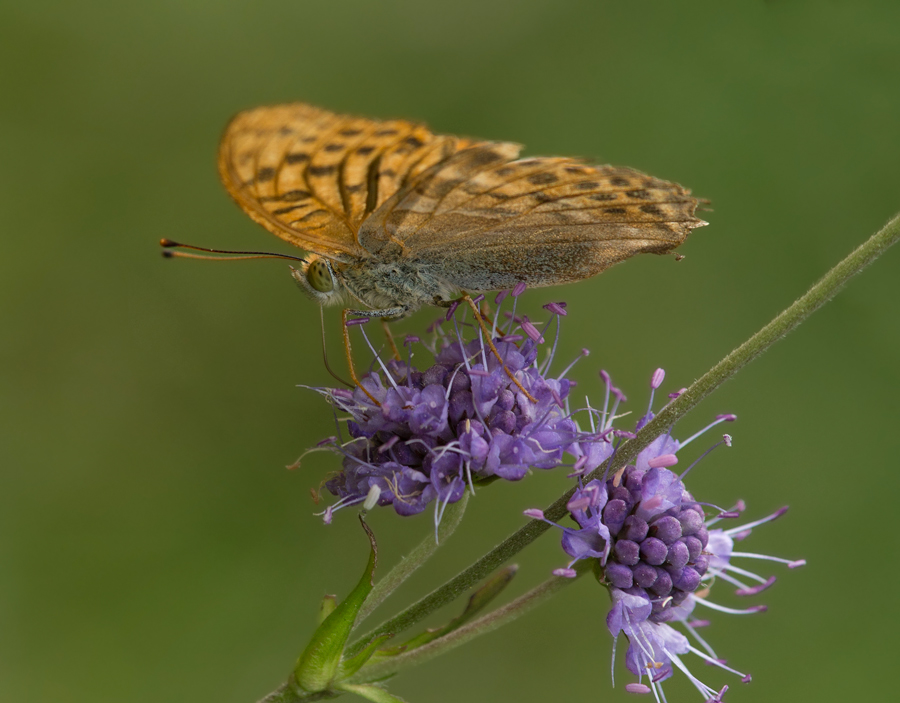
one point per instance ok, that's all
(371, 692)
(492, 588)
(477, 602)
(350, 666)
(320, 661)
(329, 603)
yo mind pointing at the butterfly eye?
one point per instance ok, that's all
(319, 276)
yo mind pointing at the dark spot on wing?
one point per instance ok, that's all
(364, 150)
(296, 158)
(293, 196)
(334, 147)
(267, 173)
(321, 170)
(638, 193)
(284, 131)
(542, 179)
(497, 195)
(483, 157)
(619, 181)
(587, 185)
(505, 171)
(355, 188)
(414, 142)
(616, 210)
(603, 197)
(289, 208)
(542, 197)
(372, 184)
(385, 132)
(438, 188)
(652, 210)
(308, 216)
(349, 132)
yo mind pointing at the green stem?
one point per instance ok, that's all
(418, 556)
(488, 623)
(805, 306)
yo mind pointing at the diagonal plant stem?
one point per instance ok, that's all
(760, 342)
(487, 623)
(418, 556)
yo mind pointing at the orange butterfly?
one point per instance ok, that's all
(397, 217)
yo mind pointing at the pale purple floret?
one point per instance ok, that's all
(658, 554)
(460, 421)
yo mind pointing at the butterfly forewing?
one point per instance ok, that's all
(311, 176)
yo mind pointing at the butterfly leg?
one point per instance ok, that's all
(384, 315)
(466, 298)
(390, 339)
(486, 315)
(325, 350)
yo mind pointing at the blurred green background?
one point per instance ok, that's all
(152, 546)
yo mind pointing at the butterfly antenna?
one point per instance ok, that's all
(168, 245)
(325, 351)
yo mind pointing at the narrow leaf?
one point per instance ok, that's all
(321, 659)
(350, 666)
(492, 588)
(477, 602)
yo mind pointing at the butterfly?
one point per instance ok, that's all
(396, 217)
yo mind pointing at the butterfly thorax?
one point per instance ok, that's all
(395, 288)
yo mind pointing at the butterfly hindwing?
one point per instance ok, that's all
(538, 220)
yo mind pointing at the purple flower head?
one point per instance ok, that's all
(459, 421)
(658, 554)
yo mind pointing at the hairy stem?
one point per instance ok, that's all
(481, 626)
(418, 556)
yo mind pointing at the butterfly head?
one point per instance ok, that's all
(316, 278)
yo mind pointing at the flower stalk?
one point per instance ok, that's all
(418, 556)
(487, 623)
